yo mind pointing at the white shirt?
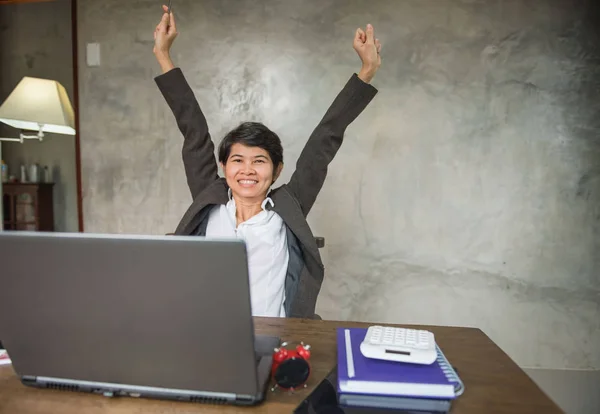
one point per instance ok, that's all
(266, 246)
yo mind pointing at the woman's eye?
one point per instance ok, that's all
(260, 161)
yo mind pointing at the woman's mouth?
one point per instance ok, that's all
(247, 183)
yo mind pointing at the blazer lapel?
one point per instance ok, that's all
(291, 213)
(216, 193)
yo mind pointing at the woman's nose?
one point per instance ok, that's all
(248, 168)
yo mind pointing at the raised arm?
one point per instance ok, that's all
(198, 149)
(311, 167)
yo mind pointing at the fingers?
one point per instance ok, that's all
(370, 34)
(163, 24)
(360, 36)
(172, 22)
(168, 19)
(378, 44)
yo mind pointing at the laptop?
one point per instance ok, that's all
(165, 317)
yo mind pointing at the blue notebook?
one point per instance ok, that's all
(360, 375)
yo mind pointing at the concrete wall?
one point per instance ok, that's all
(466, 194)
(35, 40)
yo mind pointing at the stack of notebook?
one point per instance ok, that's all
(367, 382)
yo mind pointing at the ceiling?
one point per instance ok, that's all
(21, 1)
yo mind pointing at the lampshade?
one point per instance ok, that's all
(39, 105)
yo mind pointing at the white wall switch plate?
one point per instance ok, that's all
(93, 54)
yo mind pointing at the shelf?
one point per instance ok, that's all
(28, 206)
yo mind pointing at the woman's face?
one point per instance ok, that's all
(249, 172)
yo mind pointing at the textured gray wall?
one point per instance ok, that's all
(466, 194)
(35, 40)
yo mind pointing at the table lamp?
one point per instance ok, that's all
(40, 105)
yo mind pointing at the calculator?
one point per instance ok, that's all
(413, 346)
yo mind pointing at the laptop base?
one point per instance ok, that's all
(264, 346)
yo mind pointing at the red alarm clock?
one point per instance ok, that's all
(290, 368)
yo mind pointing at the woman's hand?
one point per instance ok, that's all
(368, 48)
(164, 36)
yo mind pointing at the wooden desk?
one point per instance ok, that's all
(493, 382)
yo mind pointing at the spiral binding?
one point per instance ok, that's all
(449, 372)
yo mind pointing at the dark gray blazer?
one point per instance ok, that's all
(293, 201)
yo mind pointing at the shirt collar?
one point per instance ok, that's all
(267, 201)
(264, 204)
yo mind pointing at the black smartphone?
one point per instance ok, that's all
(323, 399)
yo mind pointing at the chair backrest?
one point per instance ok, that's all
(319, 240)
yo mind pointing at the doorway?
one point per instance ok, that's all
(41, 188)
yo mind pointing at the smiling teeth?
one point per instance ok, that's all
(248, 182)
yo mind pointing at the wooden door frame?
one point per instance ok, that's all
(75, 45)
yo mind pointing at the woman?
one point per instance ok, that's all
(285, 267)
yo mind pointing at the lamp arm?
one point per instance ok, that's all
(23, 137)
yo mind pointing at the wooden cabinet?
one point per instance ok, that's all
(28, 206)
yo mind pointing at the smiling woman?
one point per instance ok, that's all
(285, 268)
(251, 157)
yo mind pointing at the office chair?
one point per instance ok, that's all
(319, 240)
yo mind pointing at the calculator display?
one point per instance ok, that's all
(391, 351)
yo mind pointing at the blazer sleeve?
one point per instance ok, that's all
(326, 139)
(198, 149)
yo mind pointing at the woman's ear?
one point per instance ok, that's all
(277, 172)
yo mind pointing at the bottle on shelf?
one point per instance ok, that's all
(23, 174)
(4, 172)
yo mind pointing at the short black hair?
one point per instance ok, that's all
(252, 134)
